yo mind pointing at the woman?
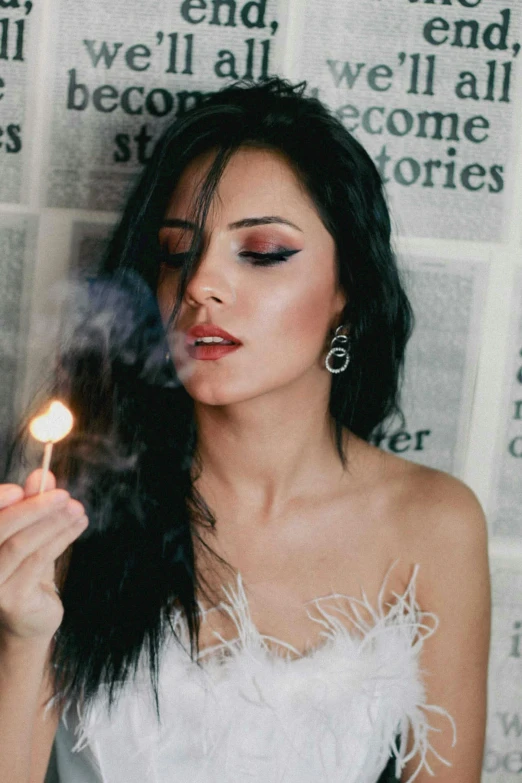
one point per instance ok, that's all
(207, 621)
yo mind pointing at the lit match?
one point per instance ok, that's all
(49, 428)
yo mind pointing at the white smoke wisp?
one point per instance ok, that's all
(118, 318)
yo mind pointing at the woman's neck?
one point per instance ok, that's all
(263, 453)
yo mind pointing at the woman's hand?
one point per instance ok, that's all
(34, 530)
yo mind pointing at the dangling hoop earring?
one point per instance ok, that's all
(336, 350)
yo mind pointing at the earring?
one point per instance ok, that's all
(336, 350)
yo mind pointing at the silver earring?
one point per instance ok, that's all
(167, 357)
(336, 350)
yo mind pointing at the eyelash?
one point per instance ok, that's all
(175, 260)
(268, 259)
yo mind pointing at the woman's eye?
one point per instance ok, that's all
(268, 259)
(176, 260)
(172, 260)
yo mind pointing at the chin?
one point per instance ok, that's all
(243, 387)
(216, 396)
(222, 393)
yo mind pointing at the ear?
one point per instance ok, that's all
(340, 302)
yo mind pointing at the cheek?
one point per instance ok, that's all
(294, 321)
(303, 307)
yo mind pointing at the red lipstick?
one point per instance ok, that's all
(200, 348)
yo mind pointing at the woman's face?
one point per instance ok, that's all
(278, 312)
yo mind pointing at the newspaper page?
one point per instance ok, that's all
(506, 511)
(503, 750)
(17, 250)
(123, 70)
(89, 241)
(17, 44)
(428, 87)
(447, 298)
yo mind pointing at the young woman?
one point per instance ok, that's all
(260, 593)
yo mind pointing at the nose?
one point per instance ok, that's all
(211, 282)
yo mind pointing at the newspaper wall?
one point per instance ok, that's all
(124, 69)
(17, 250)
(503, 751)
(428, 88)
(88, 244)
(506, 506)
(447, 299)
(18, 40)
(432, 88)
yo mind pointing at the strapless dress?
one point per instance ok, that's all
(256, 711)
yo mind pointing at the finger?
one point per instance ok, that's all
(34, 541)
(9, 494)
(40, 567)
(59, 544)
(32, 483)
(34, 572)
(31, 510)
(45, 565)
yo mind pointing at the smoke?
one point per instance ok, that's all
(117, 316)
(113, 369)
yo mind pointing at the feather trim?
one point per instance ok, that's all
(250, 712)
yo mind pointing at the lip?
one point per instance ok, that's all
(211, 351)
(209, 330)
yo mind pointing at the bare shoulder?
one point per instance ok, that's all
(443, 517)
(437, 522)
(429, 508)
(442, 528)
(448, 534)
(446, 528)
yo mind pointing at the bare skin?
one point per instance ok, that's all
(35, 530)
(289, 518)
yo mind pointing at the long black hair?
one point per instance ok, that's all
(133, 455)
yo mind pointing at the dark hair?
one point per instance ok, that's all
(132, 457)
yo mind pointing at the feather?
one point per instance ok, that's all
(251, 712)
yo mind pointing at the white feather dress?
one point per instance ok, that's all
(249, 714)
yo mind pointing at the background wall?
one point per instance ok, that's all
(432, 88)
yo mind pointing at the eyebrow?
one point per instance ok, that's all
(244, 223)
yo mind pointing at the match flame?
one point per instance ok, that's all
(54, 425)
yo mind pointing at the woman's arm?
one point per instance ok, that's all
(26, 734)
(454, 583)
